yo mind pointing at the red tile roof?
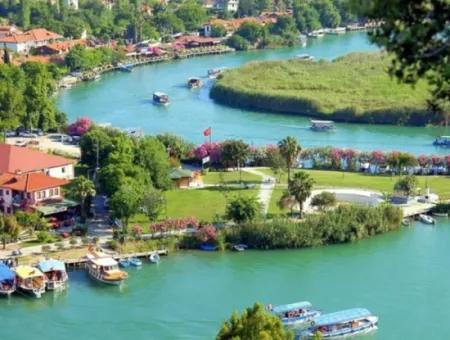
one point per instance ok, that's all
(30, 182)
(14, 158)
(65, 46)
(37, 34)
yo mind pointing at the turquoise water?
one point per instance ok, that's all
(403, 277)
(124, 99)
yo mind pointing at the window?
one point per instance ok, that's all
(56, 192)
(43, 194)
(63, 169)
(29, 195)
(51, 192)
(6, 192)
(39, 195)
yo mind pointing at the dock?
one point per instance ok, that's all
(416, 209)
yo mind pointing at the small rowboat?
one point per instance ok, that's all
(154, 258)
(194, 83)
(240, 247)
(124, 263)
(135, 262)
(160, 98)
(426, 219)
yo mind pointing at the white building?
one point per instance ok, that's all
(73, 4)
(23, 42)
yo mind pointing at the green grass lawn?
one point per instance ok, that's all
(228, 177)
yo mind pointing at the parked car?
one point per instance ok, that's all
(38, 132)
(27, 134)
(10, 134)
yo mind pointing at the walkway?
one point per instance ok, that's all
(266, 188)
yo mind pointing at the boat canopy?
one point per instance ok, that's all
(104, 261)
(26, 272)
(6, 274)
(51, 265)
(341, 316)
(291, 306)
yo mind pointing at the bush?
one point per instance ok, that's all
(324, 200)
(45, 237)
(238, 43)
(73, 241)
(114, 245)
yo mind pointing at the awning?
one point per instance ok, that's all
(6, 274)
(55, 207)
(51, 265)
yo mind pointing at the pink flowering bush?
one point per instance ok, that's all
(175, 224)
(213, 150)
(423, 160)
(137, 230)
(336, 157)
(79, 127)
(207, 234)
(377, 157)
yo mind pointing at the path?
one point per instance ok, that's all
(266, 188)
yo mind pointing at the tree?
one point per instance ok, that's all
(238, 43)
(284, 24)
(276, 162)
(152, 203)
(243, 209)
(289, 149)
(6, 56)
(329, 15)
(9, 229)
(218, 31)
(126, 201)
(192, 15)
(176, 146)
(234, 153)
(254, 324)
(251, 31)
(25, 12)
(406, 185)
(80, 188)
(300, 187)
(417, 34)
(323, 200)
(306, 17)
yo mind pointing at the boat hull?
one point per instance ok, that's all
(99, 278)
(34, 292)
(56, 285)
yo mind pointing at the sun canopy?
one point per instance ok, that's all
(6, 273)
(291, 306)
(341, 316)
(104, 261)
(51, 265)
(26, 272)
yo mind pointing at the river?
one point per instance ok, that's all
(124, 100)
(402, 277)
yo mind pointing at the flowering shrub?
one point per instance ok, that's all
(207, 234)
(212, 150)
(175, 224)
(79, 127)
(137, 230)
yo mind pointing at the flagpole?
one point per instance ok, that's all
(210, 134)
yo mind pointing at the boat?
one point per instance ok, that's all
(103, 268)
(160, 98)
(30, 280)
(214, 72)
(240, 247)
(316, 34)
(7, 280)
(442, 141)
(426, 219)
(438, 214)
(134, 261)
(304, 57)
(303, 40)
(124, 263)
(194, 83)
(208, 247)
(55, 274)
(337, 30)
(294, 314)
(322, 125)
(125, 67)
(355, 321)
(154, 258)
(406, 222)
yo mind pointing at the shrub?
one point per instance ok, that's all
(44, 237)
(114, 245)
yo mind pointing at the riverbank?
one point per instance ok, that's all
(354, 88)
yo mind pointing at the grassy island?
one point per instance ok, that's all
(353, 88)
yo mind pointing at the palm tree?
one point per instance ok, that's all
(289, 149)
(80, 188)
(300, 188)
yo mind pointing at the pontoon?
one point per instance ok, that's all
(55, 274)
(294, 314)
(322, 125)
(7, 280)
(30, 280)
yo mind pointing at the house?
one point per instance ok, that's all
(231, 25)
(72, 4)
(60, 47)
(23, 42)
(19, 160)
(221, 5)
(192, 41)
(183, 178)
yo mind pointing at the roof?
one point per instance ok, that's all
(15, 158)
(186, 39)
(180, 173)
(27, 271)
(51, 265)
(291, 306)
(6, 273)
(37, 34)
(50, 208)
(104, 261)
(64, 46)
(321, 121)
(30, 182)
(341, 316)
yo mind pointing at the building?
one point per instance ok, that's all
(19, 160)
(60, 47)
(183, 178)
(9, 30)
(193, 41)
(72, 4)
(24, 42)
(222, 5)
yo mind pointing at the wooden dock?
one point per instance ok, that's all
(416, 209)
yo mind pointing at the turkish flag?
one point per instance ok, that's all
(207, 132)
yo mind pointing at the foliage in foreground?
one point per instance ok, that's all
(254, 324)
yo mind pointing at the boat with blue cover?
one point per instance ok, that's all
(154, 258)
(124, 263)
(350, 322)
(160, 98)
(294, 314)
(135, 262)
(55, 273)
(7, 280)
(442, 141)
(208, 247)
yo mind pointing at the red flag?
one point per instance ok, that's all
(207, 132)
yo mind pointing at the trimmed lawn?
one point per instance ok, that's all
(229, 177)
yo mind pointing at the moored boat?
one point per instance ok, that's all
(160, 98)
(194, 83)
(135, 262)
(30, 280)
(316, 34)
(154, 258)
(214, 72)
(124, 263)
(55, 274)
(437, 214)
(355, 321)
(103, 268)
(406, 222)
(294, 314)
(125, 67)
(442, 141)
(304, 57)
(208, 247)
(322, 125)
(426, 219)
(240, 247)
(7, 280)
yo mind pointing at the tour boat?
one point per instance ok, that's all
(135, 262)
(304, 57)
(30, 280)
(194, 83)
(294, 314)
(442, 141)
(322, 125)
(344, 323)
(160, 98)
(240, 247)
(154, 258)
(7, 280)
(124, 263)
(55, 274)
(103, 268)
(426, 219)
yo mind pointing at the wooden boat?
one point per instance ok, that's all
(154, 258)
(240, 247)
(160, 98)
(55, 274)
(135, 262)
(345, 323)
(442, 141)
(322, 125)
(294, 314)
(194, 83)
(426, 219)
(30, 280)
(103, 268)
(304, 57)
(124, 263)
(7, 280)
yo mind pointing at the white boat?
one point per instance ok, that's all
(406, 222)
(55, 274)
(214, 72)
(340, 324)
(337, 30)
(294, 314)
(322, 125)
(30, 280)
(316, 34)
(7, 280)
(426, 219)
(437, 214)
(194, 83)
(304, 57)
(103, 268)
(160, 98)
(154, 258)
